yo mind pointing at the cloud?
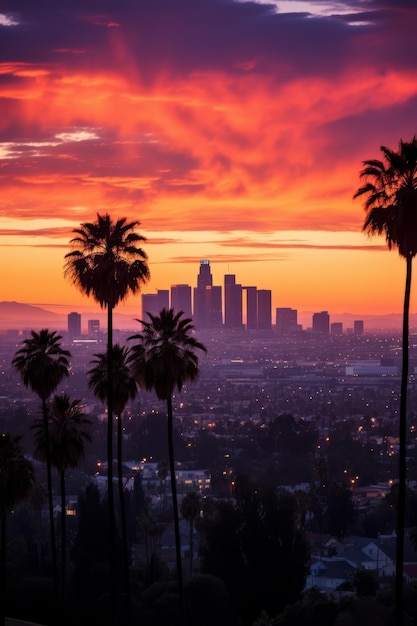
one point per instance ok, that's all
(208, 115)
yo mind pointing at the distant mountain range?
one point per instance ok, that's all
(17, 315)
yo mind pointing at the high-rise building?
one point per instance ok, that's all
(214, 306)
(251, 308)
(286, 320)
(181, 299)
(232, 302)
(264, 303)
(74, 325)
(154, 302)
(336, 328)
(321, 322)
(93, 327)
(358, 327)
(204, 280)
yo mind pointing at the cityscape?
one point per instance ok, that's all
(208, 328)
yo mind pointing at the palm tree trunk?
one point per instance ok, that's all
(125, 547)
(402, 468)
(50, 496)
(110, 490)
(63, 536)
(2, 569)
(175, 508)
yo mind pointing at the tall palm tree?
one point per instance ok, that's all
(68, 435)
(17, 477)
(190, 509)
(124, 389)
(107, 262)
(42, 364)
(164, 359)
(390, 191)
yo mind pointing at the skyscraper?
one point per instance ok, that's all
(321, 322)
(204, 280)
(181, 299)
(214, 306)
(336, 328)
(74, 325)
(286, 320)
(358, 327)
(93, 327)
(232, 302)
(264, 303)
(154, 302)
(251, 308)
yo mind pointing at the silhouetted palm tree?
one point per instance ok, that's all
(124, 389)
(16, 480)
(42, 364)
(190, 510)
(68, 435)
(390, 190)
(164, 359)
(106, 262)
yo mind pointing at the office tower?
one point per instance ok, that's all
(232, 302)
(181, 299)
(251, 308)
(286, 320)
(204, 280)
(74, 325)
(264, 302)
(154, 303)
(214, 306)
(336, 328)
(358, 327)
(321, 322)
(93, 327)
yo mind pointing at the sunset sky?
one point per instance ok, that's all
(233, 131)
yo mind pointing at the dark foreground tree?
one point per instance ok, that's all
(16, 481)
(107, 262)
(164, 358)
(68, 435)
(390, 191)
(190, 510)
(124, 389)
(42, 364)
(257, 549)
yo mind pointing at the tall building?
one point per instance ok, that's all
(232, 302)
(74, 325)
(321, 322)
(264, 303)
(181, 299)
(286, 320)
(336, 328)
(154, 302)
(251, 308)
(214, 306)
(358, 327)
(204, 280)
(93, 328)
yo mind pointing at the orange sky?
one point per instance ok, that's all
(233, 131)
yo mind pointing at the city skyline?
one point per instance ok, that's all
(238, 136)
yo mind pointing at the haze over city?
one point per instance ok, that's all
(237, 136)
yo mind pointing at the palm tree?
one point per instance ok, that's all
(164, 359)
(124, 389)
(42, 364)
(190, 510)
(67, 439)
(17, 477)
(106, 262)
(390, 190)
